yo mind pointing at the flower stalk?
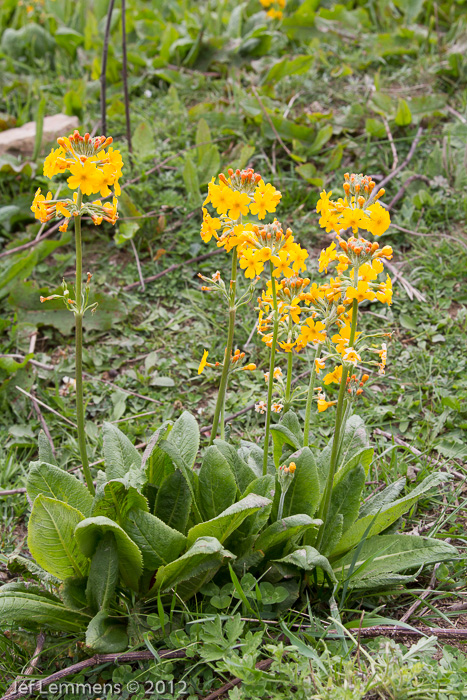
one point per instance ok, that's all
(79, 313)
(271, 370)
(219, 410)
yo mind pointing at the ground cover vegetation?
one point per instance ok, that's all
(232, 485)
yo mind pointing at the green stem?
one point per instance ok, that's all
(309, 398)
(288, 385)
(272, 361)
(326, 500)
(228, 351)
(79, 312)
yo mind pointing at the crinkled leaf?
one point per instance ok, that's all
(158, 543)
(106, 635)
(304, 559)
(53, 482)
(244, 475)
(31, 610)
(345, 501)
(217, 487)
(173, 502)
(285, 530)
(303, 493)
(388, 514)
(103, 573)
(119, 452)
(116, 498)
(229, 520)
(51, 540)
(89, 533)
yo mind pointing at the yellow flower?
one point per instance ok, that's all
(366, 272)
(319, 365)
(360, 293)
(281, 263)
(295, 312)
(323, 405)
(312, 332)
(251, 263)
(327, 256)
(286, 346)
(61, 209)
(351, 356)
(379, 219)
(86, 176)
(324, 202)
(221, 197)
(299, 255)
(341, 339)
(334, 377)
(239, 202)
(51, 166)
(354, 219)
(209, 227)
(202, 364)
(384, 293)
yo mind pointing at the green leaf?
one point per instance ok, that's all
(287, 432)
(119, 453)
(9, 365)
(73, 593)
(68, 39)
(126, 231)
(354, 441)
(389, 514)
(242, 472)
(305, 559)
(50, 538)
(381, 499)
(116, 498)
(217, 487)
(39, 127)
(302, 496)
(203, 140)
(143, 141)
(155, 461)
(225, 523)
(345, 501)
(190, 178)
(263, 486)
(88, 534)
(45, 449)
(362, 457)
(106, 635)
(29, 569)
(296, 66)
(158, 543)
(103, 573)
(173, 501)
(185, 436)
(31, 610)
(53, 482)
(285, 530)
(205, 556)
(388, 554)
(403, 115)
(322, 137)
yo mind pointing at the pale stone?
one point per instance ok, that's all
(22, 139)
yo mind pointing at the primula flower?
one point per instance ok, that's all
(251, 263)
(209, 227)
(312, 332)
(239, 203)
(360, 293)
(319, 365)
(354, 219)
(379, 219)
(327, 256)
(384, 293)
(281, 263)
(334, 377)
(203, 362)
(85, 176)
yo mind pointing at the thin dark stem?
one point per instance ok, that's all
(79, 313)
(105, 51)
(228, 350)
(125, 81)
(271, 370)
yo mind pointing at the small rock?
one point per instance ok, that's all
(23, 138)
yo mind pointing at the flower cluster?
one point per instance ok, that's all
(235, 362)
(274, 8)
(93, 170)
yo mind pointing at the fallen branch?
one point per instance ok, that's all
(25, 246)
(417, 453)
(409, 288)
(403, 188)
(32, 665)
(49, 408)
(138, 265)
(276, 133)
(172, 268)
(95, 660)
(391, 143)
(405, 162)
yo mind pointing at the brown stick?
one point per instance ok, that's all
(105, 51)
(127, 657)
(261, 665)
(153, 278)
(32, 665)
(407, 160)
(138, 265)
(392, 144)
(125, 83)
(31, 244)
(276, 133)
(402, 189)
(418, 453)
